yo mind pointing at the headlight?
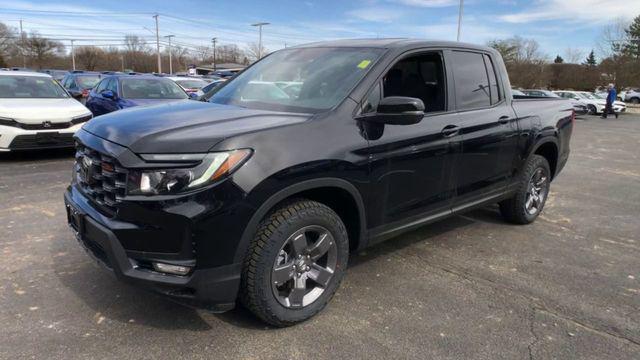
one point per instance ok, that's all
(199, 170)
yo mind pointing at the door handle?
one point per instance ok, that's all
(450, 130)
(504, 119)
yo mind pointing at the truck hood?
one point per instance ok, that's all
(183, 127)
(35, 111)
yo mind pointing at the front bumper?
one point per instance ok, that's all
(213, 288)
(12, 138)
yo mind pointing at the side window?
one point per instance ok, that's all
(418, 76)
(65, 82)
(471, 80)
(494, 84)
(112, 85)
(72, 83)
(100, 86)
(372, 100)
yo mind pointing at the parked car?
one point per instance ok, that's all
(618, 106)
(516, 92)
(36, 112)
(190, 85)
(80, 83)
(578, 107)
(224, 74)
(632, 96)
(58, 75)
(266, 195)
(594, 103)
(540, 93)
(212, 85)
(115, 92)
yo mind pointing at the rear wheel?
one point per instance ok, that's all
(295, 263)
(533, 190)
(635, 100)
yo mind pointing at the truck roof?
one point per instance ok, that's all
(389, 43)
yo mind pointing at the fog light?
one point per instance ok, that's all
(171, 269)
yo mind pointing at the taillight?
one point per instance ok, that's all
(85, 92)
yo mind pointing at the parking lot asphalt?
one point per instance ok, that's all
(472, 286)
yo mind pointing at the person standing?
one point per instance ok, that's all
(611, 97)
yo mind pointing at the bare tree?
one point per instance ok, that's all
(612, 38)
(89, 56)
(41, 49)
(254, 52)
(573, 55)
(7, 42)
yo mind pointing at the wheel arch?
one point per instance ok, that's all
(344, 200)
(549, 149)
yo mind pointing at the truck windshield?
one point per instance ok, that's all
(307, 80)
(16, 86)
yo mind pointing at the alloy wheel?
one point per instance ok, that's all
(536, 191)
(304, 267)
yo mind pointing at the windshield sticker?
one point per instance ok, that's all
(364, 63)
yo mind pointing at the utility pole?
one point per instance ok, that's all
(158, 45)
(73, 55)
(24, 58)
(260, 25)
(214, 40)
(460, 18)
(170, 62)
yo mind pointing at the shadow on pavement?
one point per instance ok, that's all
(117, 301)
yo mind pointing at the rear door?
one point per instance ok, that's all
(487, 132)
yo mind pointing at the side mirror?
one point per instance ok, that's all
(108, 94)
(397, 110)
(193, 96)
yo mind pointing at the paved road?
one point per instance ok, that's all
(472, 286)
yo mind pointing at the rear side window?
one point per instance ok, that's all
(494, 84)
(471, 80)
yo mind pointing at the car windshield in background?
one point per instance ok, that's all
(87, 81)
(136, 88)
(192, 83)
(30, 87)
(298, 80)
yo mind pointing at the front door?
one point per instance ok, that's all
(410, 164)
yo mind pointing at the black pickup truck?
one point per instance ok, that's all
(262, 190)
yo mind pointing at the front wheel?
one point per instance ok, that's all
(592, 110)
(295, 263)
(531, 195)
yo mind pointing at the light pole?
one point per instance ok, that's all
(73, 56)
(214, 40)
(460, 18)
(170, 64)
(260, 25)
(24, 58)
(158, 45)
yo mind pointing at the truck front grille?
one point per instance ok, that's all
(100, 178)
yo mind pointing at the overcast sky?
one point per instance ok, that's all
(555, 24)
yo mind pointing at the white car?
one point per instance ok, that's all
(190, 85)
(36, 112)
(632, 96)
(594, 103)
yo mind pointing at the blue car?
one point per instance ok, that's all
(124, 91)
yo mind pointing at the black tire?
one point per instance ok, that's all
(592, 109)
(515, 209)
(635, 100)
(273, 234)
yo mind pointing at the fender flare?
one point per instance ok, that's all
(542, 141)
(288, 191)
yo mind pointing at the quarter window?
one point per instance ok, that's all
(471, 80)
(494, 84)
